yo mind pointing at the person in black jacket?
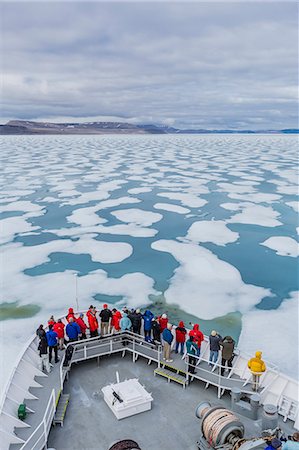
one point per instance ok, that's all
(106, 316)
(228, 345)
(136, 318)
(156, 329)
(214, 339)
(43, 353)
(40, 332)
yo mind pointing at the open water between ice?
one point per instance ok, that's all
(204, 227)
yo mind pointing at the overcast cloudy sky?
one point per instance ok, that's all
(222, 65)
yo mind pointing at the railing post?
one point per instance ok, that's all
(45, 432)
(219, 381)
(85, 352)
(133, 349)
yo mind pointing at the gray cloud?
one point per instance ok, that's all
(190, 64)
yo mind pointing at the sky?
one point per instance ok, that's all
(185, 64)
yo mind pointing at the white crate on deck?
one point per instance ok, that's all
(135, 398)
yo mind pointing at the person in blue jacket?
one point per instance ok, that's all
(292, 443)
(125, 325)
(72, 330)
(147, 324)
(167, 338)
(52, 340)
(274, 445)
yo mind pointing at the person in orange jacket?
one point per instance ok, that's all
(197, 336)
(256, 366)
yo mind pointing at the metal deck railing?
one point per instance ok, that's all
(128, 342)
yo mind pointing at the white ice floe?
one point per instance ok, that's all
(101, 192)
(294, 205)
(31, 256)
(111, 203)
(141, 190)
(171, 208)
(258, 197)
(283, 245)
(49, 199)
(87, 197)
(284, 187)
(12, 226)
(9, 199)
(31, 209)
(186, 199)
(5, 193)
(86, 217)
(235, 188)
(275, 333)
(215, 231)
(137, 216)
(68, 193)
(253, 214)
(231, 206)
(130, 229)
(206, 286)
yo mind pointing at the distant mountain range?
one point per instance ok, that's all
(29, 127)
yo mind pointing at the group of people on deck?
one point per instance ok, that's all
(156, 330)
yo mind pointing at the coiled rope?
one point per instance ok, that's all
(215, 422)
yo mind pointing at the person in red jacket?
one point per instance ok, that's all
(82, 325)
(58, 327)
(51, 321)
(197, 335)
(92, 322)
(91, 308)
(71, 314)
(180, 336)
(116, 316)
(163, 321)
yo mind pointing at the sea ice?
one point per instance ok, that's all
(111, 203)
(86, 217)
(253, 214)
(294, 205)
(130, 229)
(141, 190)
(32, 209)
(12, 226)
(215, 231)
(259, 197)
(204, 285)
(49, 199)
(172, 208)
(283, 245)
(186, 199)
(235, 188)
(137, 216)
